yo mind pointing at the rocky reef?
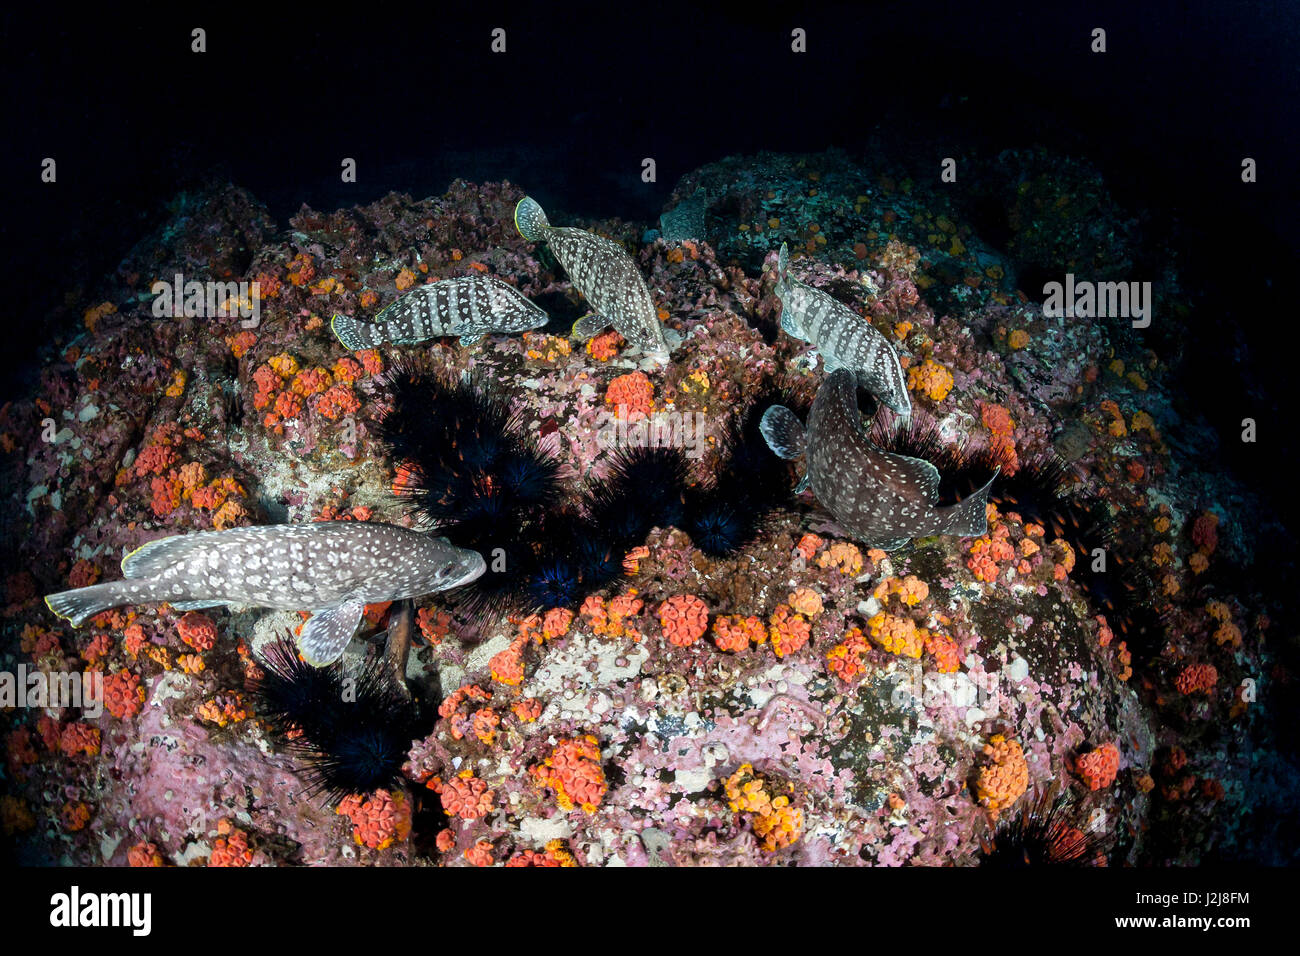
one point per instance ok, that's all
(804, 701)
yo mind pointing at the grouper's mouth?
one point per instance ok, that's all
(474, 571)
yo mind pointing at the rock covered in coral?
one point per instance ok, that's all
(799, 699)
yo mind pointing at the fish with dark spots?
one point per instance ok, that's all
(470, 307)
(882, 499)
(607, 277)
(842, 338)
(331, 568)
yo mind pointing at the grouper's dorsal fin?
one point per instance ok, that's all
(154, 557)
(328, 631)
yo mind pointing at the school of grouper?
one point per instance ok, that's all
(877, 678)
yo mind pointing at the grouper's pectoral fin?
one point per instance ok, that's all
(831, 363)
(328, 631)
(471, 336)
(804, 484)
(969, 516)
(790, 325)
(589, 326)
(918, 472)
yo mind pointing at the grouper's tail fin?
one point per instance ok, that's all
(80, 603)
(530, 220)
(356, 335)
(783, 432)
(968, 516)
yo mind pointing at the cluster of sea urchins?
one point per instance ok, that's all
(472, 474)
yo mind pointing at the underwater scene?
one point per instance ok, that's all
(677, 467)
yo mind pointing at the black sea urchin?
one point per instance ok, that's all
(749, 485)
(469, 472)
(1049, 831)
(645, 489)
(352, 732)
(469, 467)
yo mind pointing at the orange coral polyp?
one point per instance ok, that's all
(1003, 777)
(574, 772)
(632, 395)
(684, 619)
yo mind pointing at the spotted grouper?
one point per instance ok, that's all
(331, 568)
(470, 306)
(605, 274)
(842, 337)
(883, 499)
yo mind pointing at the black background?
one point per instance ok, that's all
(414, 94)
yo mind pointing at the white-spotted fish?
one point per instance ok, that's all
(331, 568)
(842, 337)
(884, 500)
(607, 277)
(470, 306)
